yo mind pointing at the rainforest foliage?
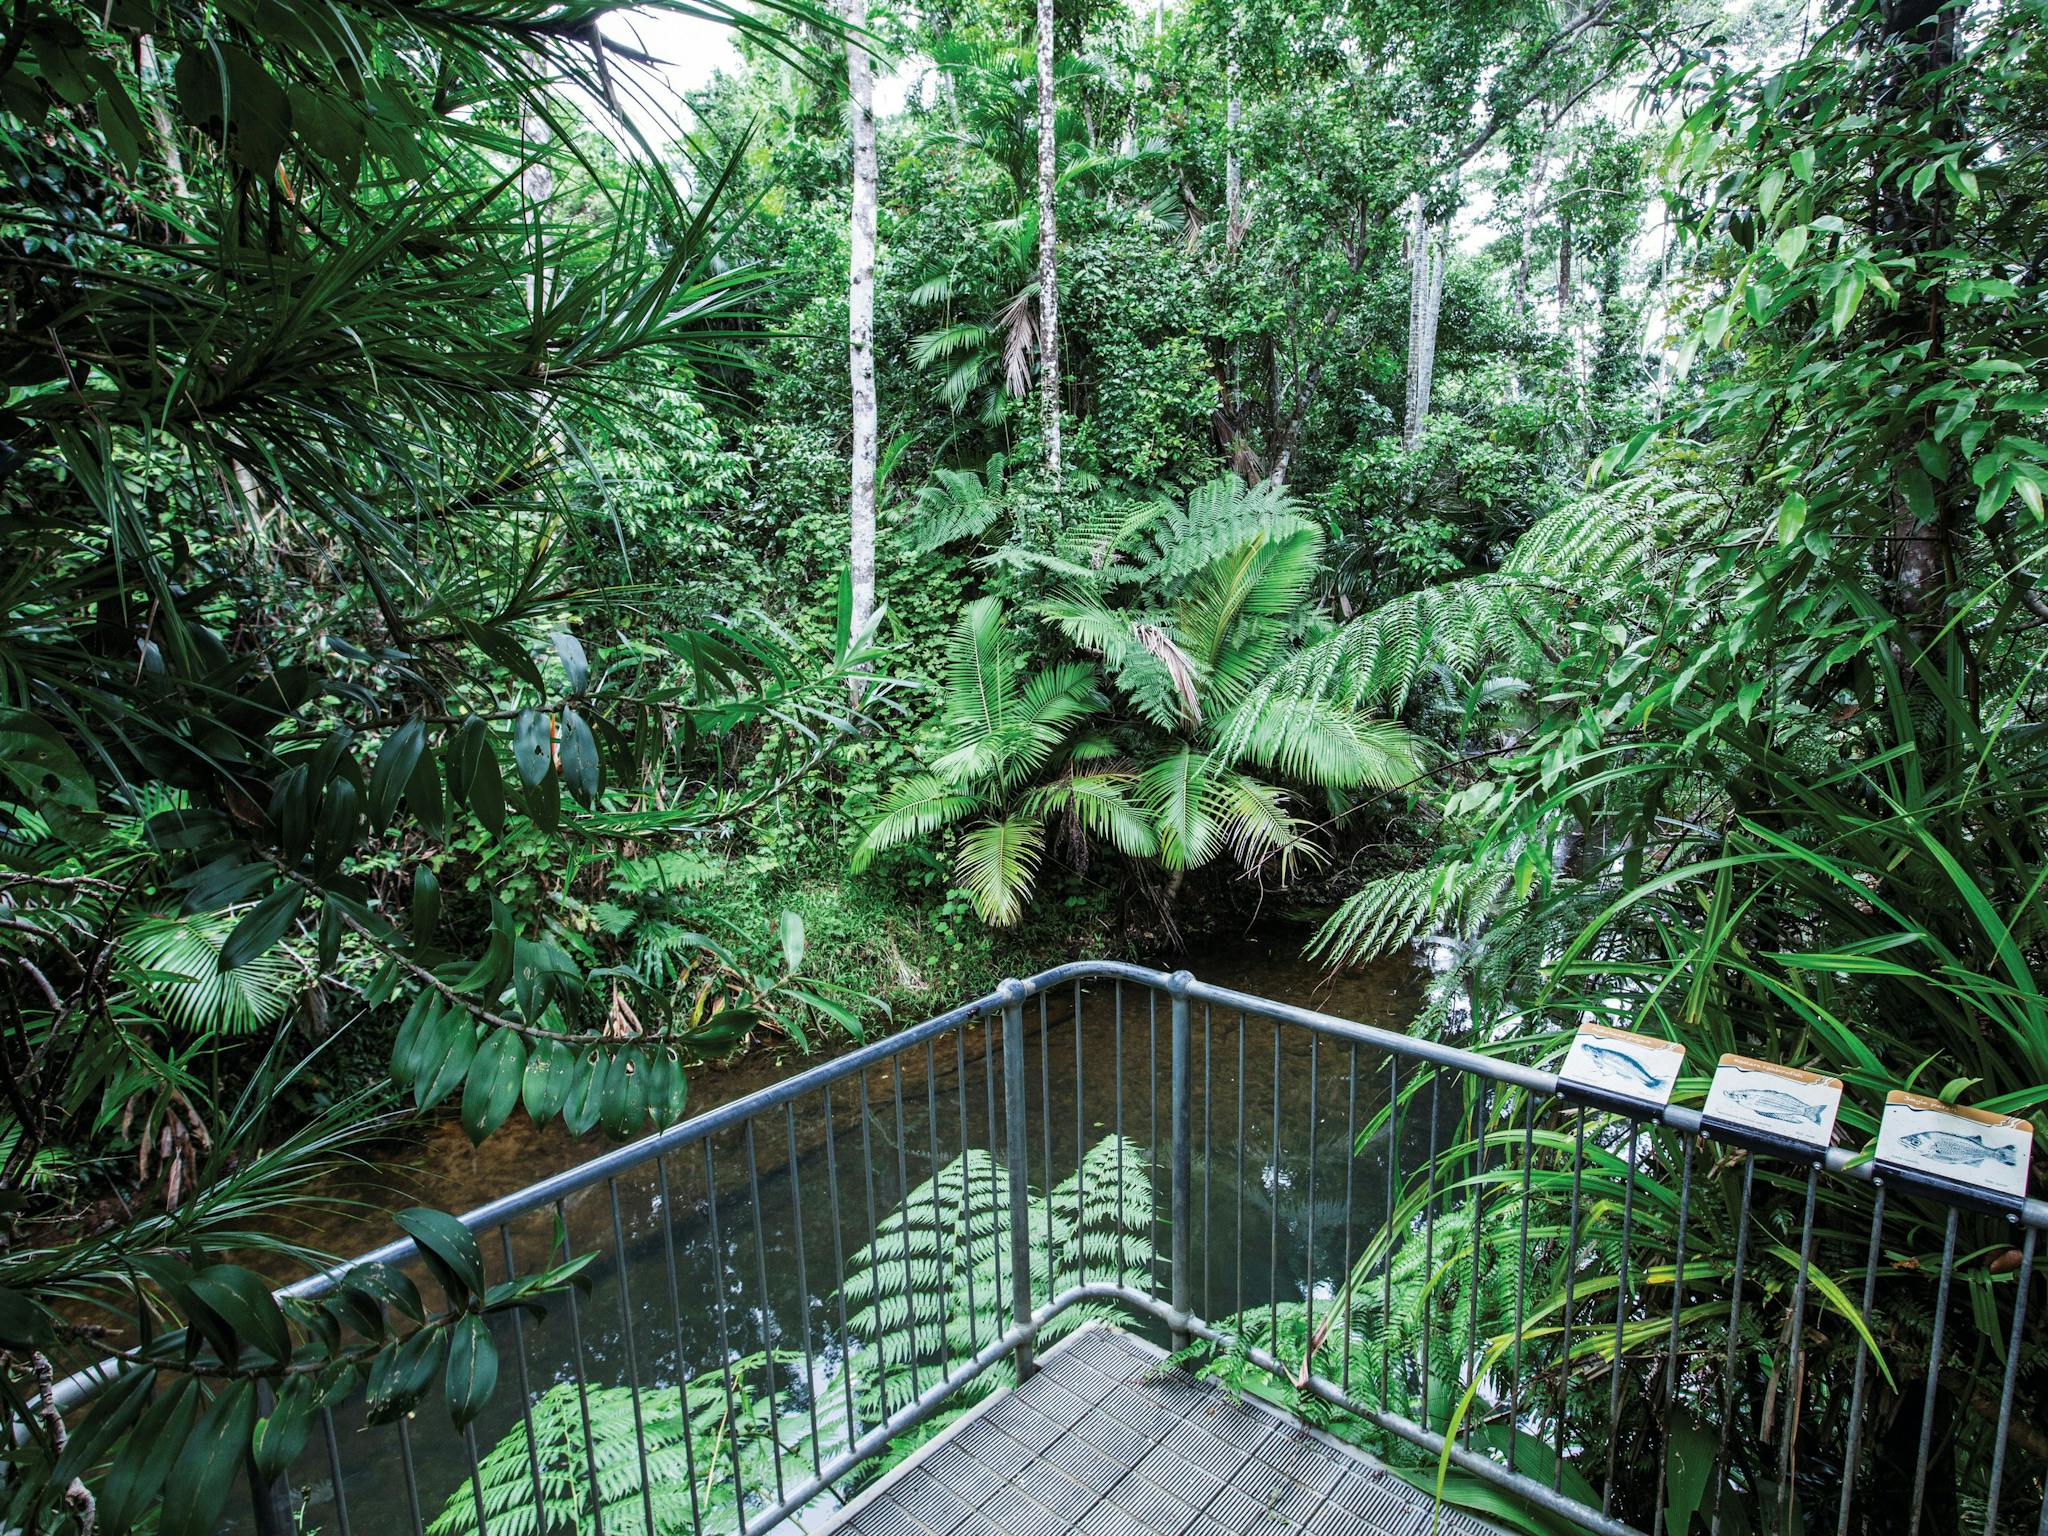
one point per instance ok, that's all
(1562, 481)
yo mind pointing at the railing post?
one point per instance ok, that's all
(1183, 1156)
(1013, 994)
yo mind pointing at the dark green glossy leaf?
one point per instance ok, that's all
(544, 1087)
(245, 1304)
(396, 761)
(196, 1492)
(472, 1373)
(582, 770)
(262, 925)
(449, 1247)
(493, 1085)
(533, 747)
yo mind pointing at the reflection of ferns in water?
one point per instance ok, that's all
(934, 1285)
(669, 1501)
(921, 1298)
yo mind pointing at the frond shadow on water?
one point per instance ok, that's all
(927, 1292)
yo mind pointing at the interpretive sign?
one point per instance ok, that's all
(1618, 1070)
(1967, 1154)
(1772, 1108)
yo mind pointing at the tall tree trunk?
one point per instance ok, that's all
(1426, 254)
(1048, 239)
(1564, 260)
(1233, 171)
(860, 321)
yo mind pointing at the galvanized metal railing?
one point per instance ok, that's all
(1617, 1320)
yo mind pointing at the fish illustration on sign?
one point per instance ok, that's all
(1771, 1104)
(1963, 1151)
(1620, 1065)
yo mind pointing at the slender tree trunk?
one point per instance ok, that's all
(1564, 260)
(1048, 239)
(1233, 171)
(1426, 255)
(860, 322)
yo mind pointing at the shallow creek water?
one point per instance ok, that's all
(1257, 1231)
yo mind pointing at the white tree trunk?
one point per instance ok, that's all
(1233, 172)
(1048, 238)
(1427, 253)
(860, 320)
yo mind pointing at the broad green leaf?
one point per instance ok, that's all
(450, 1249)
(492, 1087)
(196, 1492)
(532, 747)
(245, 1304)
(582, 771)
(544, 1086)
(472, 1373)
(262, 925)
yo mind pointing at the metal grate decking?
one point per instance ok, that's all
(1101, 1442)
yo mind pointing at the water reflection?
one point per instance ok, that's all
(766, 1217)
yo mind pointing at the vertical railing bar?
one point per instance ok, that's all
(1852, 1454)
(846, 1340)
(988, 1078)
(803, 1282)
(1734, 1339)
(1436, 1081)
(1152, 1123)
(1273, 1208)
(725, 1370)
(412, 1479)
(476, 1476)
(873, 1245)
(675, 1319)
(526, 1383)
(1020, 1169)
(1393, 1206)
(1208, 1151)
(1237, 1301)
(1621, 1300)
(1948, 1269)
(611, 1187)
(1123, 1267)
(1480, 1108)
(2012, 1380)
(334, 1466)
(1080, 1155)
(966, 1195)
(1052, 1287)
(1309, 1237)
(1671, 1349)
(944, 1246)
(1522, 1278)
(1350, 1213)
(582, 1376)
(903, 1222)
(1181, 1067)
(942, 1249)
(768, 1367)
(1788, 1417)
(1571, 1275)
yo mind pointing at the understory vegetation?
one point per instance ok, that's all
(534, 573)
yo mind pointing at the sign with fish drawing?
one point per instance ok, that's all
(1771, 1108)
(1970, 1153)
(1618, 1070)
